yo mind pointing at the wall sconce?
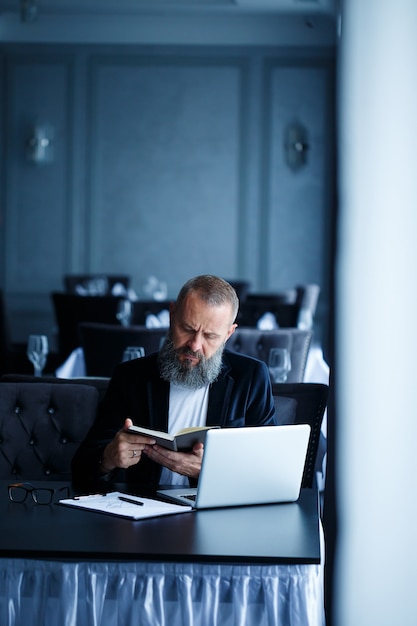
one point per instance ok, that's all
(296, 145)
(39, 146)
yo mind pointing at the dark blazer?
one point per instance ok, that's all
(241, 396)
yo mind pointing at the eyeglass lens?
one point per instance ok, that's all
(41, 495)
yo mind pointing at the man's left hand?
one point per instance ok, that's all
(185, 463)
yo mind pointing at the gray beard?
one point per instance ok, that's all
(182, 372)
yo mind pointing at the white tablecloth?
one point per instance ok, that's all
(317, 370)
(40, 592)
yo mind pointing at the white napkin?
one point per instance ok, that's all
(81, 291)
(118, 289)
(267, 321)
(158, 321)
(73, 367)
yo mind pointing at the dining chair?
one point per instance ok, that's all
(103, 344)
(294, 308)
(252, 310)
(142, 309)
(310, 405)
(242, 288)
(307, 299)
(41, 427)
(100, 383)
(71, 309)
(258, 343)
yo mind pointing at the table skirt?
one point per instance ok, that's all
(42, 593)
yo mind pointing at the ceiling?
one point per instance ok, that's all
(266, 22)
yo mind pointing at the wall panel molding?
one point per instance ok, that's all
(296, 204)
(177, 161)
(169, 161)
(37, 195)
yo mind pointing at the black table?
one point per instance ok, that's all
(208, 567)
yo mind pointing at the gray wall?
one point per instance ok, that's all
(167, 161)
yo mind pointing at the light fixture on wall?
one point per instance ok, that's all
(296, 145)
(39, 146)
(28, 11)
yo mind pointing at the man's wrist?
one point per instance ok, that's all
(102, 464)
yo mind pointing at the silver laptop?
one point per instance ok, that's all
(253, 465)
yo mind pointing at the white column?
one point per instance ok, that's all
(376, 573)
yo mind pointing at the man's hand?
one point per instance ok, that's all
(125, 450)
(185, 463)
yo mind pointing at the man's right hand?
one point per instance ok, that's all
(125, 449)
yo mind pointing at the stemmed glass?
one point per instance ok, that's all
(133, 352)
(279, 364)
(124, 312)
(37, 352)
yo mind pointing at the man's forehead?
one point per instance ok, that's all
(195, 310)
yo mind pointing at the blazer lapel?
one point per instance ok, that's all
(219, 398)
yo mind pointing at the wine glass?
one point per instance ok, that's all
(124, 312)
(279, 364)
(37, 352)
(133, 352)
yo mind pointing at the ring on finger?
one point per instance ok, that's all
(134, 453)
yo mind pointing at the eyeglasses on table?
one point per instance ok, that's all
(18, 492)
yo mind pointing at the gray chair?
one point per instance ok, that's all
(257, 343)
(307, 300)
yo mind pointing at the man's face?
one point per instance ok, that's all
(199, 329)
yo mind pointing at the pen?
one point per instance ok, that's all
(131, 501)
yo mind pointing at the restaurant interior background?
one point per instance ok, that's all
(181, 137)
(184, 137)
(169, 156)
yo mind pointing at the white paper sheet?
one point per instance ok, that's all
(112, 504)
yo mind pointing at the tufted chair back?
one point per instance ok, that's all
(41, 427)
(257, 343)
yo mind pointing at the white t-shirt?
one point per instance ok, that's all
(187, 408)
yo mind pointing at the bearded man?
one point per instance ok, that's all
(193, 381)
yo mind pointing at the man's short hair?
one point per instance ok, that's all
(213, 290)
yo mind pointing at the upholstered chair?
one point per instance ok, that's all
(41, 427)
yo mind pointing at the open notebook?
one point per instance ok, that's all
(254, 465)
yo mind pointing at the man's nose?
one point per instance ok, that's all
(195, 343)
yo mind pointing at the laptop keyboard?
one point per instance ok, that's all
(191, 496)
